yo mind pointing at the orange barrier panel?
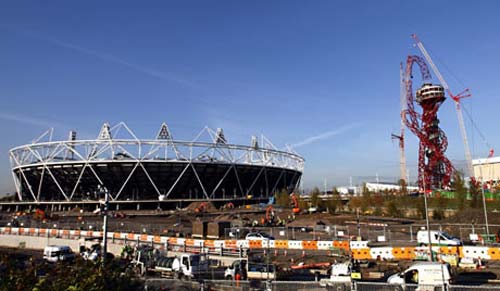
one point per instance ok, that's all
(21, 230)
(255, 244)
(131, 236)
(342, 244)
(230, 243)
(65, 233)
(494, 253)
(209, 243)
(281, 244)
(361, 254)
(157, 239)
(189, 242)
(53, 232)
(32, 231)
(406, 253)
(449, 250)
(309, 245)
(77, 233)
(172, 240)
(116, 235)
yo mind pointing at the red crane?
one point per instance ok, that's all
(434, 168)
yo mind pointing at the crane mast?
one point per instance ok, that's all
(401, 136)
(456, 99)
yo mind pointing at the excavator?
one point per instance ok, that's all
(295, 203)
(269, 218)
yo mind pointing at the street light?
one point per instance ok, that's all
(484, 204)
(104, 213)
(427, 223)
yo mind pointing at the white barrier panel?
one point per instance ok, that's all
(382, 252)
(358, 244)
(325, 245)
(243, 243)
(295, 244)
(198, 242)
(476, 252)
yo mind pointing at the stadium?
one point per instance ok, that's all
(151, 172)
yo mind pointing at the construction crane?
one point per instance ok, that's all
(401, 136)
(456, 98)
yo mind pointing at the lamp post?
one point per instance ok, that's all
(484, 203)
(427, 223)
(104, 212)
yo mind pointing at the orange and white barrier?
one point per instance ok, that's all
(359, 249)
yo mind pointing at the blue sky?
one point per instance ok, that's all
(323, 75)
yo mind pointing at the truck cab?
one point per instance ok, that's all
(189, 265)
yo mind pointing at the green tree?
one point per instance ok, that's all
(366, 201)
(420, 205)
(475, 192)
(402, 184)
(440, 204)
(458, 185)
(393, 209)
(314, 196)
(283, 198)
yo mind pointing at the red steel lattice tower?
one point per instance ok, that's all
(434, 168)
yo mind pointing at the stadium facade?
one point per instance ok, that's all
(160, 169)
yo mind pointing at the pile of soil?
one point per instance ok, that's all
(209, 207)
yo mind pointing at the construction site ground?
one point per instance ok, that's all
(315, 226)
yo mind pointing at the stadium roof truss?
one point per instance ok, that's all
(110, 146)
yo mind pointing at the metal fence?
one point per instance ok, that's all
(168, 284)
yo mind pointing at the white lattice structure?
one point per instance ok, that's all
(155, 169)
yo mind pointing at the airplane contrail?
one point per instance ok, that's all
(107, 57)
(325, 135)
(27, 120)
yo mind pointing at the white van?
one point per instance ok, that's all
(425, 274)
(58, 253)
(437, 238)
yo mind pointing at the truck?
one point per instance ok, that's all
(184, 266)
(55, 254)
(437, 238)
(427, 275)
(250, 271)
(346, 272)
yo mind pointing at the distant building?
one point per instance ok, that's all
(487, 169)
(376, 187)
